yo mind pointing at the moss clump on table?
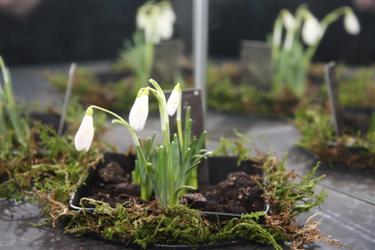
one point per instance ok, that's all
(353, 150)
(49, 163)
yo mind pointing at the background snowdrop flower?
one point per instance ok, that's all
(351, 23)
(166, 21)
(288, 20)
(156, 20)
(139, 112)
(174, 100)
(85, 133)
(277, 35)
(311, 31)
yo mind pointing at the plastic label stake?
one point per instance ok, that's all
(68, 92)
(333, 93)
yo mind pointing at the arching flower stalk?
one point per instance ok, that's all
(291, 58)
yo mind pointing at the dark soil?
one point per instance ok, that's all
(343, 156)
(114, 185)
(238, 193)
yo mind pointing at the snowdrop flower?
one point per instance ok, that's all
(85, 133)
(139, 112)
(351, 23)
(156, 20)
(311, 31)
(174, 100)
(288, 20)
(166, 21)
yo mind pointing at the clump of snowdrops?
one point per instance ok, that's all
(168, 169)
(295, 40)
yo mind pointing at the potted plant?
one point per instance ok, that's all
(146, 198)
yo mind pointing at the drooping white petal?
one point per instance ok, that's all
(288, 20)
(141, 20)
(166, 22)
(311, 30)
(174, 100)
(351, 23)
(156, 19)
(276, 35)
(139, 112)
(85, 134)
(165, 29)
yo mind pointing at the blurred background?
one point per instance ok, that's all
(41, 31)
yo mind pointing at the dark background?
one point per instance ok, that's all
(62, 31)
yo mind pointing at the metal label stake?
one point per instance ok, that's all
(68, 91)
(200, 45)
(333, 93)
(200, 35)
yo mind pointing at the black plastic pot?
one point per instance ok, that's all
(218, 168)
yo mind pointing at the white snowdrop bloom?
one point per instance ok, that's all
(156, 20)
(166, 22)
(276, 36)
(139, 112)
(351, 23)
(174, 100)
(311, 30)
(85, 133)
(288, 20)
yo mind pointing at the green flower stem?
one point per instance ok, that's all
(20, 128)
(277, 30)
(149, 60)
(179, 126)
(164, 119)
